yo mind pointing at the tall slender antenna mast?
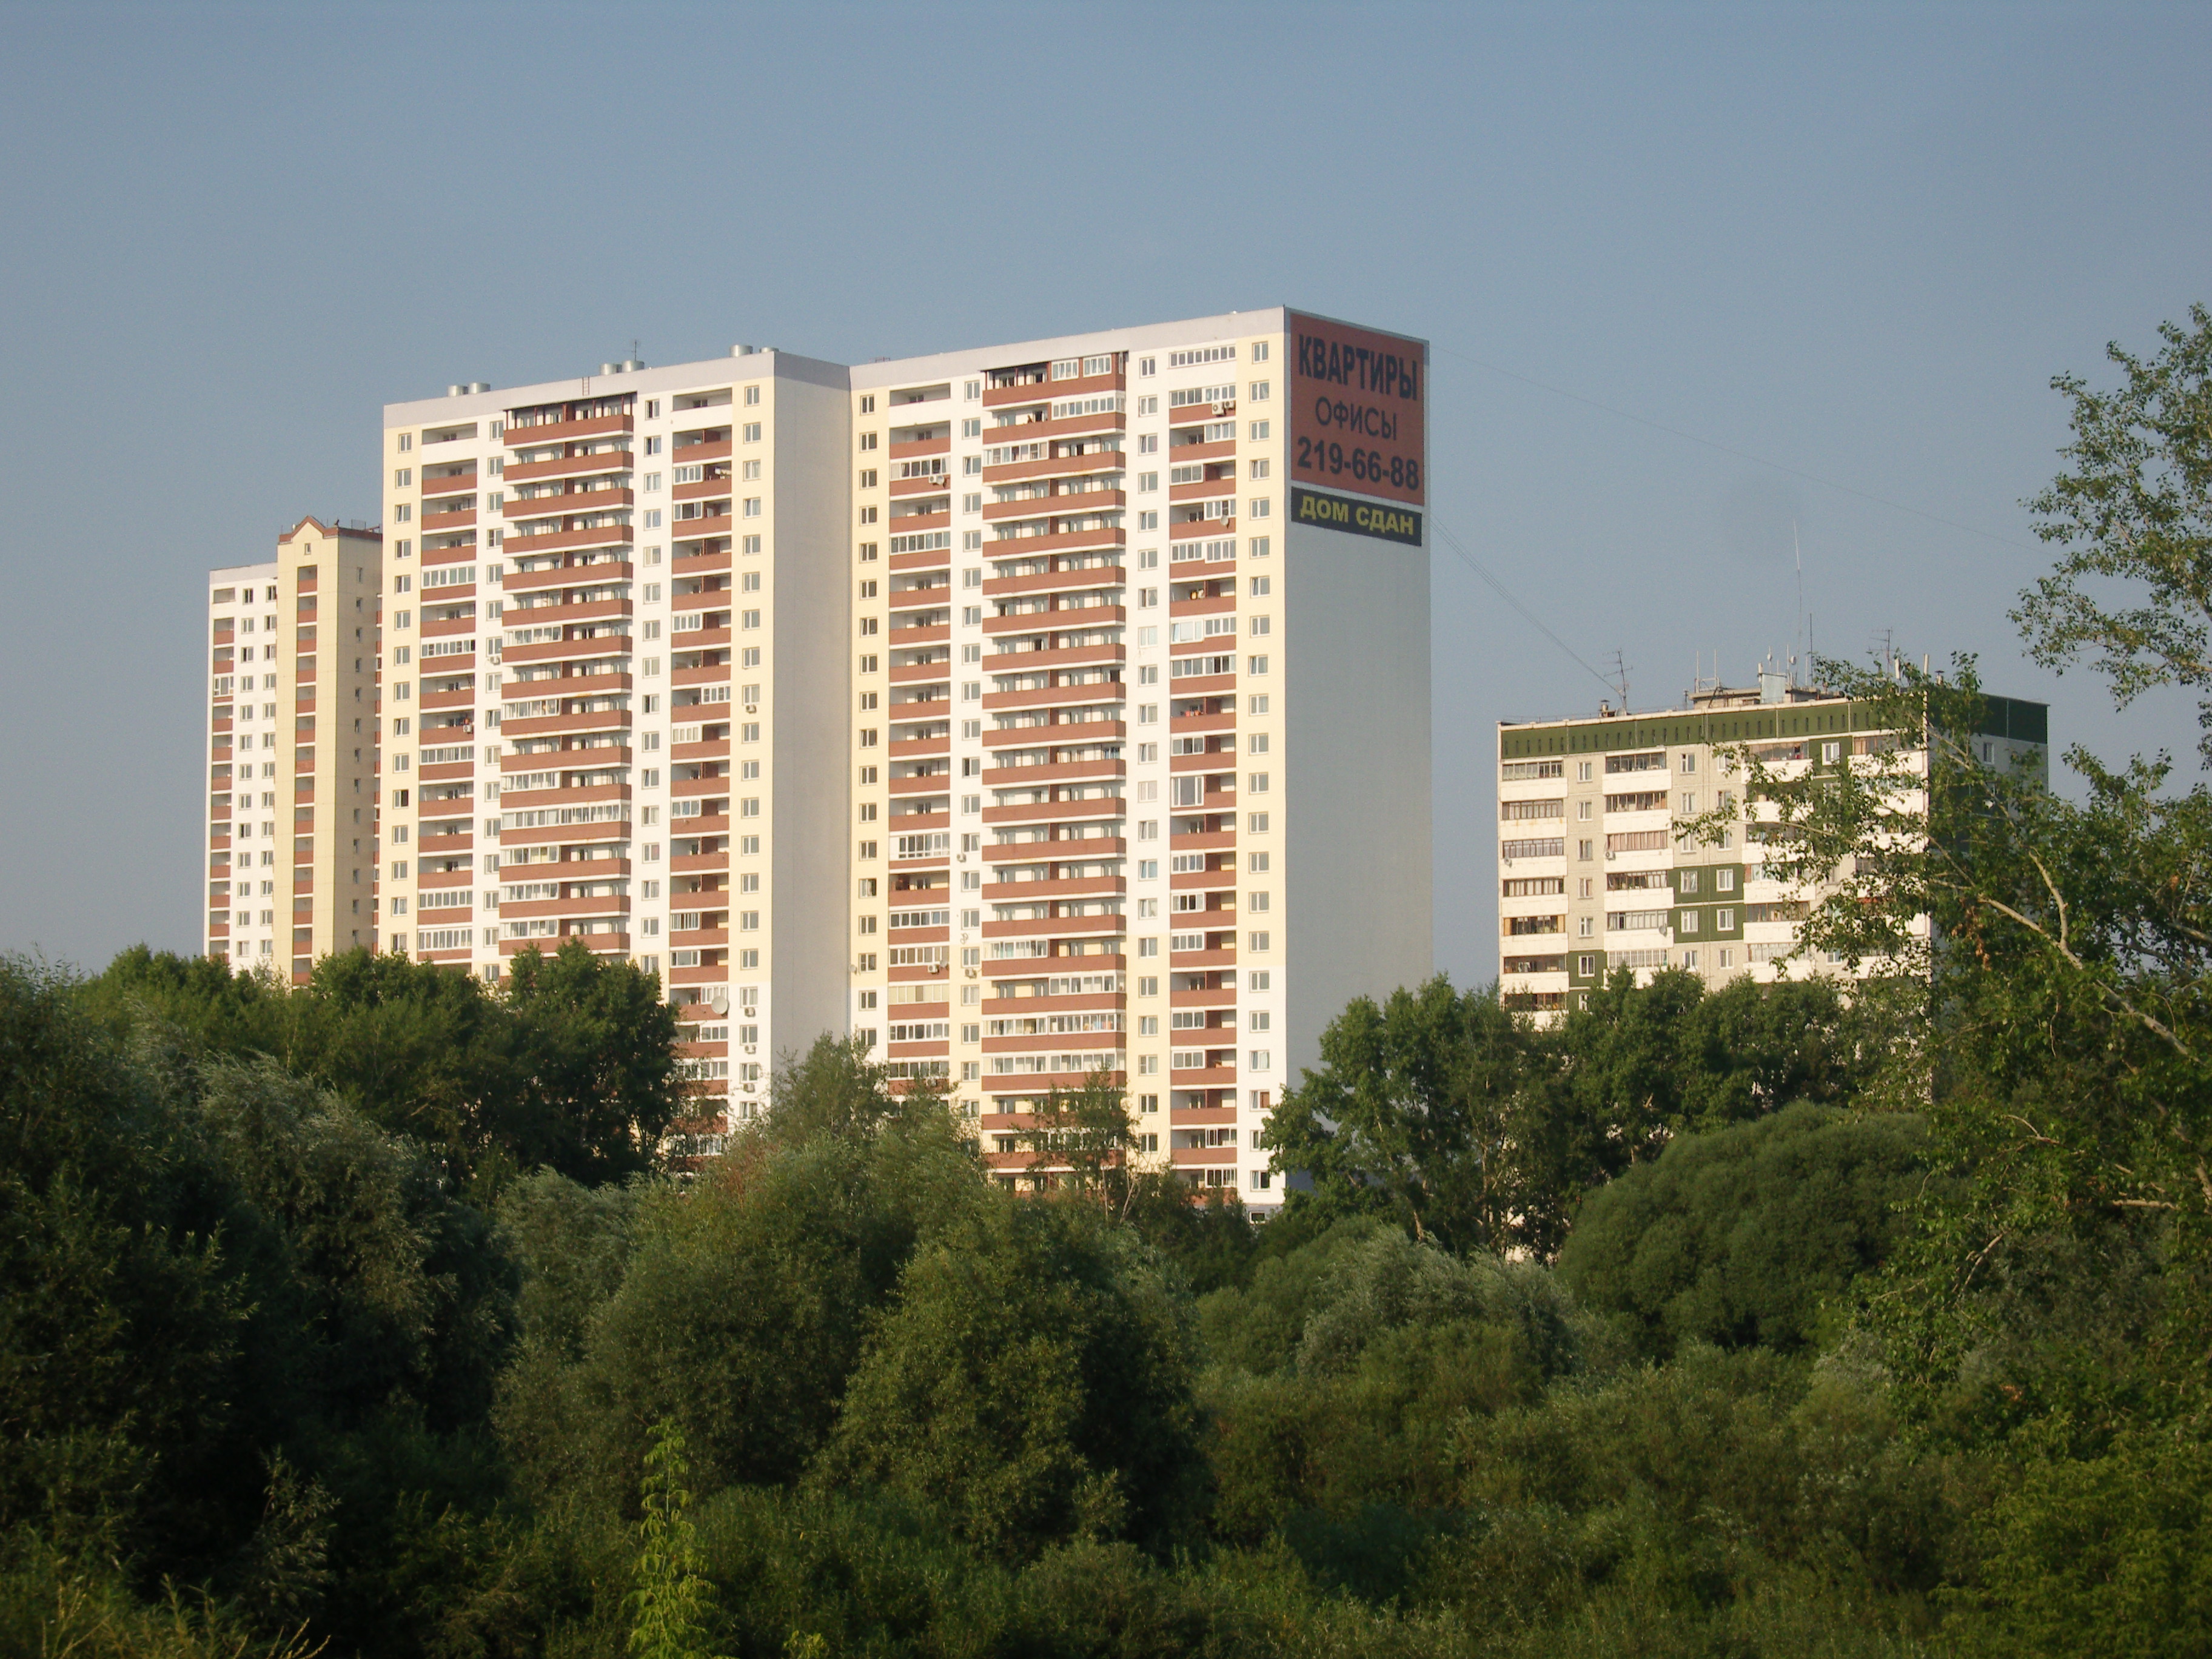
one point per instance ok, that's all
(1797, 547)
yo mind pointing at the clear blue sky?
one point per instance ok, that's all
(1855, 242)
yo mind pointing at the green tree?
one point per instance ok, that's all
(572, 1067)
(597, 1082)
(743, 1300)
(1211, 1240)
(2132, 516)
(1416, 1112)
(672, 1602)
(1754, 1233)
(1087, 1130)
(121, 1319)
(1034, 1381)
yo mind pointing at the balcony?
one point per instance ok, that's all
(1045, 622)
(521, 546)
(1059, 734)
(551, 432)
(570, 466)
(1015, 777)
(1058, 541)
(1049, 392)
(566, 502)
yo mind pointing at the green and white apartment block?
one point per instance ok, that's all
(1597, 871)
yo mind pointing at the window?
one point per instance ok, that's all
(1255, 664)
(1257, 507)
(1689, 763)
(1261, 390)
(1724, 881)
(1582, 771)
(1263, 625)
(752, 395)
(1689, 803)
(751, 431)
(1256, 942)
(1147, 482)
(1258, 468)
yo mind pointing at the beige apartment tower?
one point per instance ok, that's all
(1140, 719)
(615, 655)
(1596, 870)
(1026, 711)
(292, 752)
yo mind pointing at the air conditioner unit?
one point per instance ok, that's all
(753, 708)
(749, 1013)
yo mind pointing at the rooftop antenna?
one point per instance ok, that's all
(1886, 638)
(1619, 678)
(1797, 547)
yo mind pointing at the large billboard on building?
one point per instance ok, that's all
(1359, 412)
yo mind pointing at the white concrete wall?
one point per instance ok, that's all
(1352, 808)
(811, 678)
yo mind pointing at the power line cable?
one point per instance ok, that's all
(1740, 454)
(1505, 593)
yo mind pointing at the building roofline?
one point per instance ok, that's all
(334, 527)
(770, 361)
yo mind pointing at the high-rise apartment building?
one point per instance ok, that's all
(292, 752)
(1030, 710)
(1141, 718)
(616, 650)
(1595, 872)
